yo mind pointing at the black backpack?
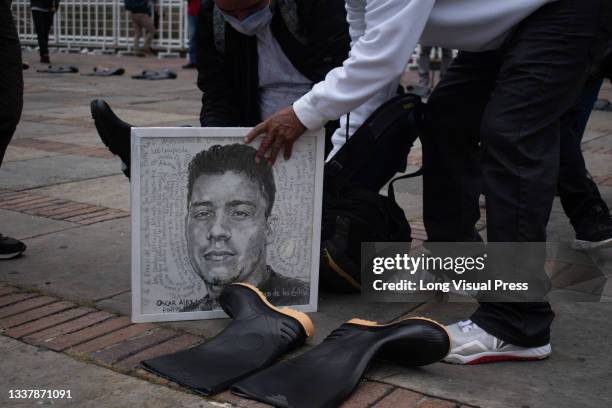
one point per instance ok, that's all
(352, 213)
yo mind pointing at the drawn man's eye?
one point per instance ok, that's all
(240, 214)
(202, 214)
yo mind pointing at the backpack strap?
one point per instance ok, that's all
(354, 154)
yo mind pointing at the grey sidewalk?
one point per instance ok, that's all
(79, 250)
(26, 367)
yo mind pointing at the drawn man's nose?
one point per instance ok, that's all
(219, 229)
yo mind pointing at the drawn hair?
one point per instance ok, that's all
(239, 158)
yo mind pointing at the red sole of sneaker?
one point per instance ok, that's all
(494, 359)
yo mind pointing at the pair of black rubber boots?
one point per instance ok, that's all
(244, 354)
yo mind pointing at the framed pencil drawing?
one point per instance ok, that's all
(205, 214)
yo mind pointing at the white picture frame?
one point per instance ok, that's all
(162, 287)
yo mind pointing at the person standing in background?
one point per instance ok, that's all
(193, 9)
(425, 64)
(11, 103)
(42, 16)
(141, 19)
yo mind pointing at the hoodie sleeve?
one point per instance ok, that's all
(384, 34)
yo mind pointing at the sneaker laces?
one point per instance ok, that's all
(467, 326)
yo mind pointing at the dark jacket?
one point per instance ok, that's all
(313, 34)
(45, 4)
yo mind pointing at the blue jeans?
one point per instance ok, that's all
(192, 25)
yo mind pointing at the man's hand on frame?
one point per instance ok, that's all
(281, 130)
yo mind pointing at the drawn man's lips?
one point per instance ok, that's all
(218, 256)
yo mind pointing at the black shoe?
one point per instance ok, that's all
(594, 230)
(258, 335)
(45, 59)
(114, 132)
(10, 247)
(190, 65)
(327, 374)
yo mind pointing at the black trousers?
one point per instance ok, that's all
(11, 77)
(493, 126)
(42, 24)
(578, 192)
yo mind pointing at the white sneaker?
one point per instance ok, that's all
(472, 345)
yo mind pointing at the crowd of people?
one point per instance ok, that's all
(505, 121)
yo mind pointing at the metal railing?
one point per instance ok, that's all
(104, 24)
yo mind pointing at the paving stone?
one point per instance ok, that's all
(34, 202)
(6, 291)
(61, 168)
(93, 214)
(15, 153)
(228, 397)
(9, 194)
(40, 208)
(25, 305)
(86, 138)
(47, 335)
(182, 342)
(67, 208)
(400, 398)
(367, 393)
(27, 129)
(110, 192)
(68, 340)
(14, 298)
(61, 147)
(24, 226)
(46, 322)
(112, 338)
(33, 208)
(34, 314)
(129, 347)
(28, 367)
(110, 215)
(59, 209)
(120, 304)
(82, 264)
(437, 403)
(86, 210)
(24, 198)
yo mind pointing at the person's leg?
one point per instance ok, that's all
(545, 64)
(424, 66)
(147, 23)
(39, 18)
(11, 78)
(580, 197)
(11, 103)
(447, 57)
(48, 24)
(451, 158)
(137, 30)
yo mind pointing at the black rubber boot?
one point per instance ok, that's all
(254, 340)
(327, 375)
(114, 132)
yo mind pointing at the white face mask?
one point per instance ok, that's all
(253, 23)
